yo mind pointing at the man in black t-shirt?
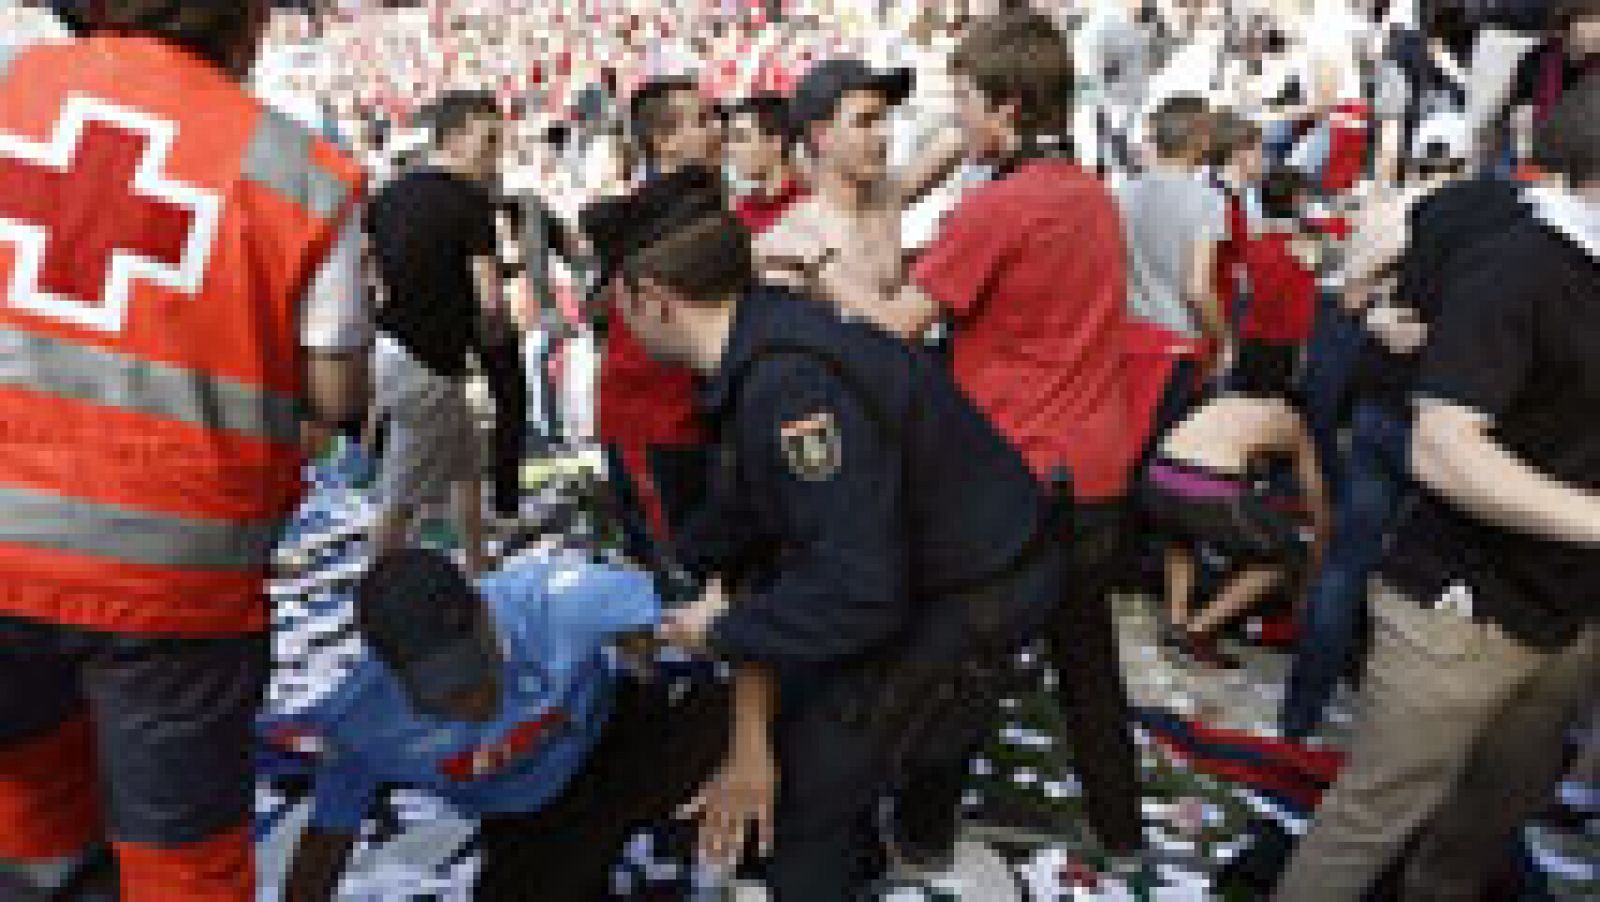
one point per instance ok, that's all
(433, 231)
(1421, 242)
(1487, 610)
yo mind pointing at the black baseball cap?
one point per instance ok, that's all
(425, 620)
(620, 227)
(817, 96)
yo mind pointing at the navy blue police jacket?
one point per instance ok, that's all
(856, 476)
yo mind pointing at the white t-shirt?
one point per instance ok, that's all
(334, 314)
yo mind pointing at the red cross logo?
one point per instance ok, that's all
(91, 211)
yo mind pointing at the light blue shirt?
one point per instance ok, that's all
(554, 620)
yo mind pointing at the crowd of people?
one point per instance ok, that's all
(911, 334)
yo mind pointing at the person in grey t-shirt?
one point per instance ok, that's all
(1174, 220)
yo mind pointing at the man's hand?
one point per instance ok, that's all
(738, 801)
(789, 252)
(638, 653)
(1382, 234)
(688, 627)
(1397, 328)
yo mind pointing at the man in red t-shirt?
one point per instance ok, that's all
(760, 149)
(1282, 304)
(655, 443)
(1030, 272)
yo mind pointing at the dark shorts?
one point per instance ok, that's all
(663, 742)
(1193, 505)
(143, 741)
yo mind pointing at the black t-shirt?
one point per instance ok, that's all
(1517, 339)
(426, 228)
(1444, 227)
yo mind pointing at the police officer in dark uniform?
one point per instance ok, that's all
(888, 548)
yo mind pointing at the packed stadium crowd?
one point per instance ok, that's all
(905, 337)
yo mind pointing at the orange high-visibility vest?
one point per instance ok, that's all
(159, 229)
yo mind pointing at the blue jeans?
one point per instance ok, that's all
(1376, 480)
(1336, 346)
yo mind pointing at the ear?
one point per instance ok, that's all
(815, 137)
(1008, 110)
(654, 297)
(624, 296)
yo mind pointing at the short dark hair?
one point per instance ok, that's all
(1283, 189)
(1564, 12)
(210, 29)
(1230, 134)
(650, 111)
(397, 580)
(770, 112)
(1021, 57)
(1181, 124)
(1567, 142)
(677, 230)
(451, 112)
(710, 258)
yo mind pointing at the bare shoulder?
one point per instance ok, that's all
(798, 221)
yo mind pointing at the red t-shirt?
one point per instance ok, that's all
(1283, 296)
(643, 402)
(1032, 270)
(760, 212)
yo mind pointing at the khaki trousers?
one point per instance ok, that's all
(1460, 741)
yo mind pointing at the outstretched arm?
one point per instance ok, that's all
(740, 798)
(1454, 454)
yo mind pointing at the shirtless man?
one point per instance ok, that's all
(1198, 491)
(840, 112)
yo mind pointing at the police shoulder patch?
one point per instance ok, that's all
(812, 447)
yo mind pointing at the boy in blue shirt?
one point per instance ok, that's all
(501, 700)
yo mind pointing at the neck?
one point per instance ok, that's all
(1589, 193)
(775, 181)
(668, 163)
(1005, 155)
(709, 334)
(842, 192)
(1171, 164)
(449, 162)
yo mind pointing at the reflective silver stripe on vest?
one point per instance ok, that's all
(111, 379)
(8, 55)
(279, 157)
(325, 194)
(135, 537)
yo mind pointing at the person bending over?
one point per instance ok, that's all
(1198, 493)
(502, 699)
